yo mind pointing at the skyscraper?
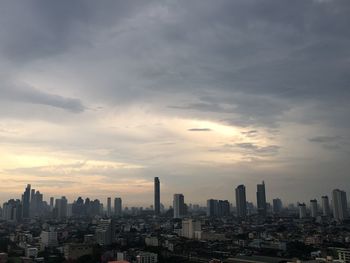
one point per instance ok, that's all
(118, 206)
(156, 196)
(241, 201)
(212, 207)
(109, 207)
(276, 205)
(26, 202)
(326, 211)
(302, 210)
(179, 205)
(313, 208)
(261, 199)
(340, 205)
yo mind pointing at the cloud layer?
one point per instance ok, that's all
(212, 94)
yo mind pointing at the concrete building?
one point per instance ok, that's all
(313, 208)
(189, 227)
(109, 207)
(241, 201)
(147, 257)
(118, 208)
(261, 199)
(75, 251)
(340, 206)
(302, 211)
(326, 211)
(179, 206)
(276, 206)
(103, 232)
(48, 238)
(156, 196)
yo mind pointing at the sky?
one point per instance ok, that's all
(98, 98)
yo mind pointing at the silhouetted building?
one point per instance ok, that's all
(118, 206)
(179, 206)
(241, 201)
(277, 205)
(302, 211)
(109, 207)
(261, 199)
(156, 196)
(313, 208)
(26, 202)
(326, 211)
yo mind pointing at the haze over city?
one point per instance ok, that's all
(97, 100)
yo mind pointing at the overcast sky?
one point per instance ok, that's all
(97, 98)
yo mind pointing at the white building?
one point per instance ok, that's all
(146, 257)
(340, 206)
(49, 238)
(189, 227)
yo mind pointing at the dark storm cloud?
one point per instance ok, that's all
(254, 59)
(27, 94)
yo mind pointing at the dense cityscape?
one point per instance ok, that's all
(35, 230)
(174, 131)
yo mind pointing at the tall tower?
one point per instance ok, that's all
(340, 206)
(261, 199)
(302, 210)
(109, 207)
(156, 196)
(179, 205)
(26, 201)
(117, 206)
(326, 211)
(241, 201)
(313, 208)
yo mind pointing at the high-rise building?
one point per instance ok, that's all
(261, 199)
(218, 208)
(313, 208)
(118, 210)
(156, 196)
(340, 205)
(179, 206)
(52, 200)
(12, 211)
(277, 205)
(302, 210)
(61, 207)
(326, 211)
(109, 207)
(212, 207)
(26, 202)
(241, 201)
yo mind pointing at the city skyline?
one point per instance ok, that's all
(99, 99)
(240, 202)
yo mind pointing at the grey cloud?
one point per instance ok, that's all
(256, 149)
(199, 129)
(325, 139)
(28, 94)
